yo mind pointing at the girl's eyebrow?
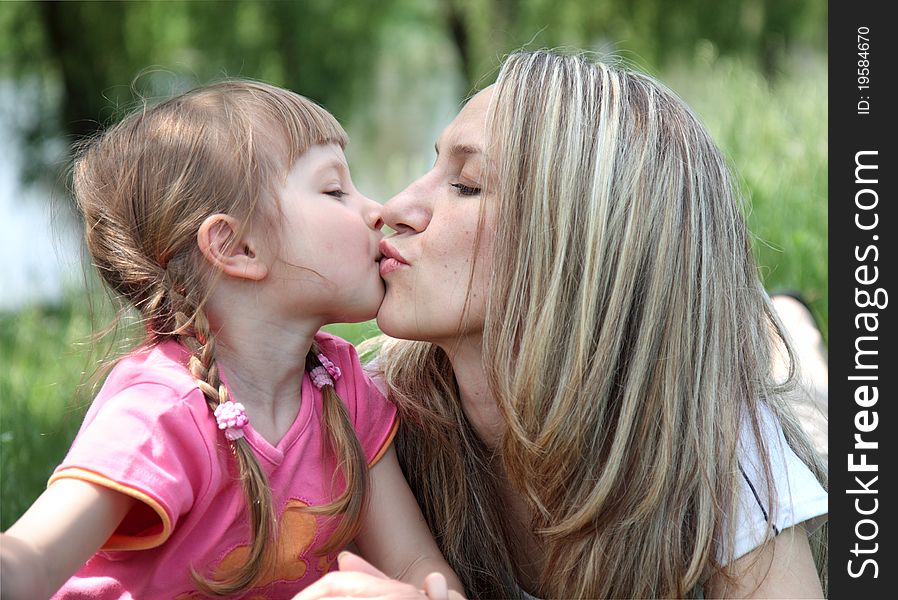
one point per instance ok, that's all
(334, 164)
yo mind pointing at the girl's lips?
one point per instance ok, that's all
(388, 265)
(389, 251)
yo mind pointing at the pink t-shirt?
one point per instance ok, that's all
(150, 434)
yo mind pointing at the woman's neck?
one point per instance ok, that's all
(480, 406)
(483, 413)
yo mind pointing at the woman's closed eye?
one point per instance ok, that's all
(465, 190)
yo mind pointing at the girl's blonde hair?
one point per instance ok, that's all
(626, 341)
(144, 187)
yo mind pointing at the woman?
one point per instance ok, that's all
(587, 408)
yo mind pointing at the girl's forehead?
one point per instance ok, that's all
(321, 158)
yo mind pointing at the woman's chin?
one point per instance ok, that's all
(391, 328)
(398, 326)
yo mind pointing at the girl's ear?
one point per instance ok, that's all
(230, 248)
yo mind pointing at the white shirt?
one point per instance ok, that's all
(799, 496)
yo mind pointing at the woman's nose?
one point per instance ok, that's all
(409, 211)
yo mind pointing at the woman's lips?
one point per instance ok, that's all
(388, 265)
(391, 259)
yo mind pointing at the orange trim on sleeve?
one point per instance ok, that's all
(118, 541)
(386, 445)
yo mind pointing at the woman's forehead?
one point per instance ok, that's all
(467, 131)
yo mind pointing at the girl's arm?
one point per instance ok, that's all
(783, 568)
(394, 535)
(64, 527)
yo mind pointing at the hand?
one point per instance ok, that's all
(359, 579)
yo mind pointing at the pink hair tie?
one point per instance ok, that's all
(231, 416)
(325, 373)
(320, 377)
(333, 369)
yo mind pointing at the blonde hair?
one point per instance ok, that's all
(626, 341)
(144, 187)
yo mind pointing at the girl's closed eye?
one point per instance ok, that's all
(464, 190)
(338, 194)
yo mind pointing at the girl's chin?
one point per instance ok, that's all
(359, 314)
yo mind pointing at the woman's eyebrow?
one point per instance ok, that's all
(456, 149)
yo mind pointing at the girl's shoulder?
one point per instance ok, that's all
(150, 435)
(373, 416)
(336, 348)
(352, 381)
(153, 384)
(163, 364)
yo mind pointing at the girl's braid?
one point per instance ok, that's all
(192, 328)
(343, 443)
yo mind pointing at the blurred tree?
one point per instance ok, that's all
(86, 64)
(92, 58)
(653, 32)
(83, 58)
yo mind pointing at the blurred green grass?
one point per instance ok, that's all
(775, 135)
(39, 410)
(774, 132)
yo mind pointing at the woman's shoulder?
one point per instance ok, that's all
(798, 497)
(771, 447)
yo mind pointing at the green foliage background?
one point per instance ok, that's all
(395, 71)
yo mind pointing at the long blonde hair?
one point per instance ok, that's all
(626, 341)
(144, 187)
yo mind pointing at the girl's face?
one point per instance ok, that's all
(327, 249)
(427, 264)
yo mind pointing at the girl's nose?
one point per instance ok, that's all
(372, 214)
(409, 210)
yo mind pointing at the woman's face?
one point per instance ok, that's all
(427, 264)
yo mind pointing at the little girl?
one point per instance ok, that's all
(239, 448)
